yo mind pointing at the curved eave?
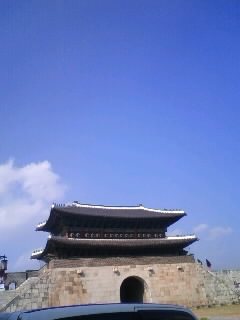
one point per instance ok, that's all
(182, 241)
(41, 226)
(36, 254)
(78, 211)
(114, 244)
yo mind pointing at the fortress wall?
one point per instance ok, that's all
(218, 291)
(184, 283)
(30, 295)
(232, 277)
(118, 261)
(6, 297)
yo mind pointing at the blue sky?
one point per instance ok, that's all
(121, 102)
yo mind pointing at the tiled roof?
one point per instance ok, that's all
(114, 244)
(79, 211)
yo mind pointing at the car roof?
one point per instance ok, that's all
(81, 310)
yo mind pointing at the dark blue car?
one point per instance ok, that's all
(105, 312)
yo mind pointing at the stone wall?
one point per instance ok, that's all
(231, 277)
(64, 282)
(118, 261)
(32, 294)
(164, 283)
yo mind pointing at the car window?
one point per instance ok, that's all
(104, 316)
(164, 315)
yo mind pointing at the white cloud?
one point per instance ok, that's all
(27, 192)
(212, 233)
(217, 232)
(201, 227)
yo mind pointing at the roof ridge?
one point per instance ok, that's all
(123, 207)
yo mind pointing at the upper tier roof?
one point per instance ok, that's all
(63, 216)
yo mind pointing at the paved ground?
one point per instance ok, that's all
(226, 312)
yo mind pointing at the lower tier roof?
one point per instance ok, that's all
(62, 247)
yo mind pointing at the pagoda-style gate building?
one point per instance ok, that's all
(78, 231)
(103, 254)
(115, 253)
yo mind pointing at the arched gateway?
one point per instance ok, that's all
(132, 290)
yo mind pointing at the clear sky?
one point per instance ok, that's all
(121, 103)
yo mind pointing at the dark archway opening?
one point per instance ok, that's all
(132, 290)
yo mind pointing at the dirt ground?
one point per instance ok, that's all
(228, 310)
